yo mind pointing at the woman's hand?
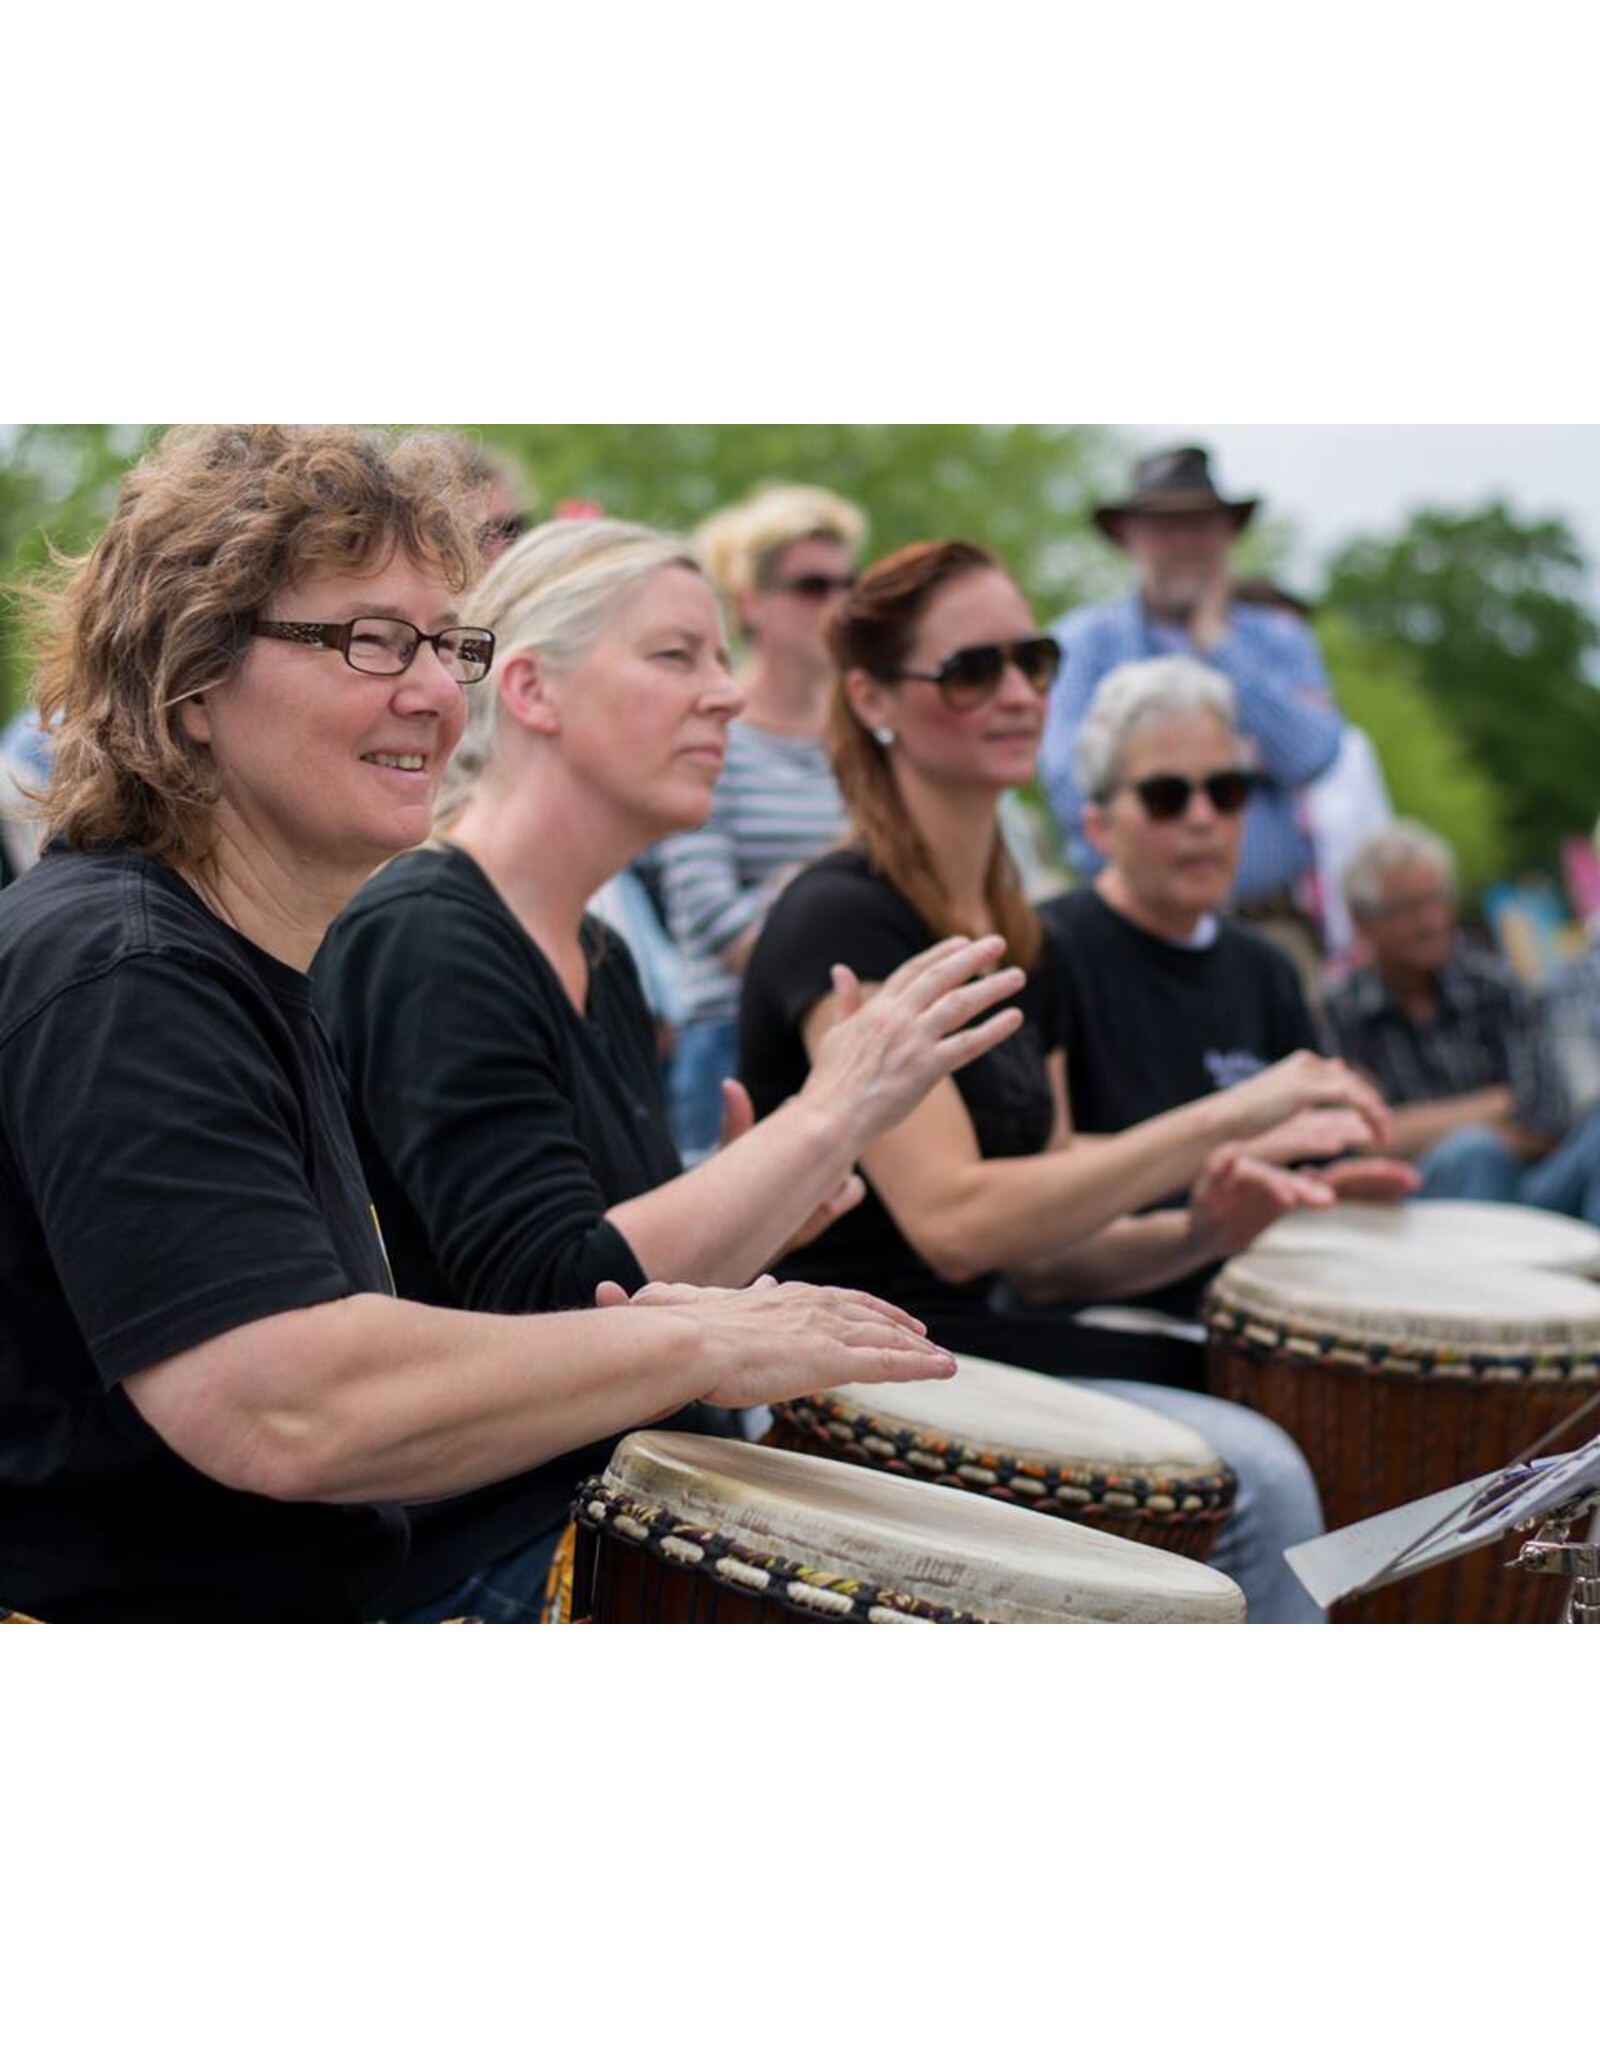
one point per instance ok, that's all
(1369, 1180)
(885, 1051)
(1303, 1081)
(1310, 1134)
(769, 1343)
(1237, 1196)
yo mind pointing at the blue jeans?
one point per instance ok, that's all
(1277, 1505)
(1476, 1165)
(510, 1589)
(705, 1055)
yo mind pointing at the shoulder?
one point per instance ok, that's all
(1275, 632)
(843, 884)
(1246, 952)
(77, 918)
(1086, 623)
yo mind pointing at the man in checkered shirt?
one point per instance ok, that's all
(1456, 1044)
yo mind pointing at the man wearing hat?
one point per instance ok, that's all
(1178, 530)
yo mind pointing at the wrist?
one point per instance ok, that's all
(831, 1128)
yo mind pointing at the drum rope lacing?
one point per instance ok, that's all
(1401, 1357)
(688, 1546)
(1066, 1489)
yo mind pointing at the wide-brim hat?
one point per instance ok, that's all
(1174, 480)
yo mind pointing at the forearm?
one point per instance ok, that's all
(1418, 1126)
(1128, 1257)
(1017, 1215)
(374, 1399)
(723, 1223)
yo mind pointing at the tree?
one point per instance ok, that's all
(1022, 490)
(1493, 609)
(1428, 766)
(57, 486)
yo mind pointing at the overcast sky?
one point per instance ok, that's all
(1334, 481)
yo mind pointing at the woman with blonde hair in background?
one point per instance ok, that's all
(781, 561)
(504, 1086)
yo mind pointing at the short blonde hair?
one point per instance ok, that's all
(741, 545)
(207, 528)
(551, 594)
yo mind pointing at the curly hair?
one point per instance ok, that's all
(872, 631)
(208, 526)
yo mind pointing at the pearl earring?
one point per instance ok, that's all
(883, 735)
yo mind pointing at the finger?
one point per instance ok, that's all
(937, 976)
(853, 1299)
(738, 1112)
(901, 1365)
(960, 1005)
(962, 1047)
(932, 957)
(846, 991)
(610, 1295)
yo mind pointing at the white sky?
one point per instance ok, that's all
(1332, 482)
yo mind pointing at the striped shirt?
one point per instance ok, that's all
(1285, 713)
(1572, 1016)
(776, 806)
(1486, 1033)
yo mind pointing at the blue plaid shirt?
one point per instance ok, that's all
(1284, 707)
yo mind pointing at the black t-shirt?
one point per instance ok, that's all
(839, 910)
(176, 1163)
(496, 1126)
(1150, 1025)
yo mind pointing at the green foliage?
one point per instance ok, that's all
(57, 486)
(1427, 763)
(1022, 490)
(1494, 611)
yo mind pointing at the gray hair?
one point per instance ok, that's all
(1139, 693)
(552, 594)
(1400, 845)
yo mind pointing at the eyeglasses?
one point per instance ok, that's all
(971, 675)
(387, 647)
(1166, 797)
(502, 532)
(817, 589)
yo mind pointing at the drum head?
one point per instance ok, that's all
(1383, 1297)
(1475, 1233)
(953, 1550)
(1004, 1411)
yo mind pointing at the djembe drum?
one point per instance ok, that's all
(1464, 1233)
(702, 1529)
(1399, 1378)
(1032, 1441)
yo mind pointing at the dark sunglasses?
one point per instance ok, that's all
(1166, 797)
(971, 675)
(817, 589)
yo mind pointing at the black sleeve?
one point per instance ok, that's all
(1293, 1028)
(458, 1073)
(163, 1147)
(834, 916)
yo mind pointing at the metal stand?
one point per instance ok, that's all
(1553, 1550)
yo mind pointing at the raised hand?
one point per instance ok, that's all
(885, 1051)
(1237, 1196)
(1303, 1081)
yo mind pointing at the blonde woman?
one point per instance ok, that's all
(501, 1060)
(781, 561)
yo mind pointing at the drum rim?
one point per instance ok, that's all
(741, 1568)
(1261, 1333)
(1049, 1488)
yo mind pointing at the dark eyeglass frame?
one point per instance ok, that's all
(815, 589)
(971, 675)
(1166, 798)
(338, 638)
(506, 531)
